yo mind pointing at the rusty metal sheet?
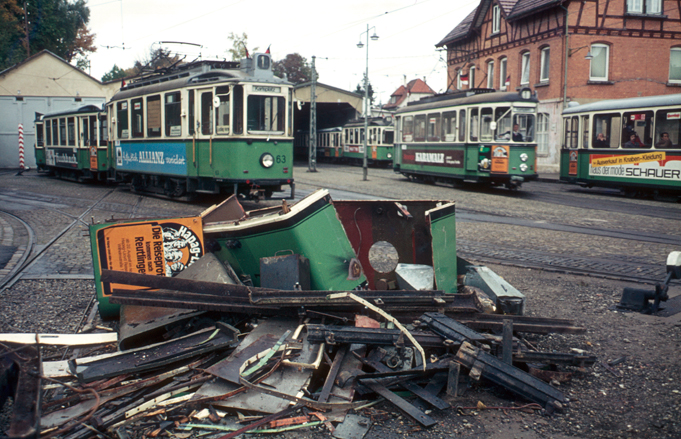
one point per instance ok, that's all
(450, 328)
(20, 365)
(369, 222)
(228, 369)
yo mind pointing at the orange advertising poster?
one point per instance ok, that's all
(93, 157)
(160, 248)
(500, 158)
(572, 169)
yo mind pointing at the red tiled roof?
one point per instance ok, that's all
(413, 86)
(418, 86)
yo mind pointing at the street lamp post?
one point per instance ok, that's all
(366, 96)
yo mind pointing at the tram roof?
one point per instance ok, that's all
(203, 73)
(83, 109)
(373, 122)
(622, 104)
(476, 96)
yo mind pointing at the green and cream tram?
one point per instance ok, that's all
(478, 135)
(629, 144)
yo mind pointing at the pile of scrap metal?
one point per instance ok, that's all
(283, 318)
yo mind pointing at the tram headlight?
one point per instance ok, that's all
(267, 160)
(523, 167)
(389, 156)
(484, 163)
(523, 157)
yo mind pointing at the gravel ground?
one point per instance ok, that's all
(644, 402)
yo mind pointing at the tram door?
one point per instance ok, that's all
(205, 129)
(88, 138)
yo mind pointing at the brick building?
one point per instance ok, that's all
(567, 50)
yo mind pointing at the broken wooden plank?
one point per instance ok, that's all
(60, 339)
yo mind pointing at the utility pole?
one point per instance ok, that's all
(312, 166)
(28, 43)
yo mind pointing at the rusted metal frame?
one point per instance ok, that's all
(450, 328)
(333, 372)
(371, 336)
(143, 359)
(535, 325)
(434, 386)
(315, 298)
(411, 386)
(263, 421)
(483, 364)
(25, 418)
(555, 358)
(438, 366)
(126, 297)
(400, 403)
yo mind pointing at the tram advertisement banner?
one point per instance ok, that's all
(449, 158)
(573, 163)
(62, 157)
(657, 165)
(500, 158)
(93, 157)
(160, 248)
(159, 158)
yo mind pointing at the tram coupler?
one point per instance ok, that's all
(635, 299)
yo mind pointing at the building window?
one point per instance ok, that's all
(644, 6)
(599, 63)
(675, 65)
(503, 79)
(496, 19)
(459, 86)
(543, 133)
(471, 77)
(490, 74)
(525, 68)
(545, 62)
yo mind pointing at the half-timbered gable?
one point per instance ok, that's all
(567, 50)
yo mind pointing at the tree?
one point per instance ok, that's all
(59, 26)
(360, 90)
(113, 74)
(157, 59)
(294, 67)
(239, 48)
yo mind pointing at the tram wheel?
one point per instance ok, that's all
(174, 188)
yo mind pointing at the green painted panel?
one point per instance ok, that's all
(443, 231)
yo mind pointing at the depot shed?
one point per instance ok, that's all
(335, 106)
(42, 83)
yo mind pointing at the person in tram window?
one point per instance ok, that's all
(601, 142)
(517, 135)
(633, 142)
(664, 141)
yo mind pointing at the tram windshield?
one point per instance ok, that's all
(266, 113)
(515, 124)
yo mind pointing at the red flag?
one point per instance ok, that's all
(268, 49)
(464, 79)
(508, 80)
(246, 49)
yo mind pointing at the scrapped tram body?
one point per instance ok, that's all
(631, 144)
(73, 144)
(208, 127)
(479, 135)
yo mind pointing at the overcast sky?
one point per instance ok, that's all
(408, 31)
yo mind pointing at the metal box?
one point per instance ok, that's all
(287, 272)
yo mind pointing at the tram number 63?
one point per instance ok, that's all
(280, 159)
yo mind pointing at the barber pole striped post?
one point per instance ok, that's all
(21, 148)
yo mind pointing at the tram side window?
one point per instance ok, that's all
(154, 116)
(434, 127)
(190, 106)
(388, 137)
(609, 126)
(420, 128)
(39, 135)
(502, 115)
(474, 125)
(55, 133)
(238, 104)
(486, 124)
(639, 123)
(207, 113)
(571, 124)
(462, 125)
(222, 111)
(666, 121)
(526, 124)
(585, 131)
(266, 113)
(48, 133)
(173, 114)
(62, 131)
(122, 120)
(449, 126)
(103, 132)
(71, 121)
(408, 129)
(137, 118)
